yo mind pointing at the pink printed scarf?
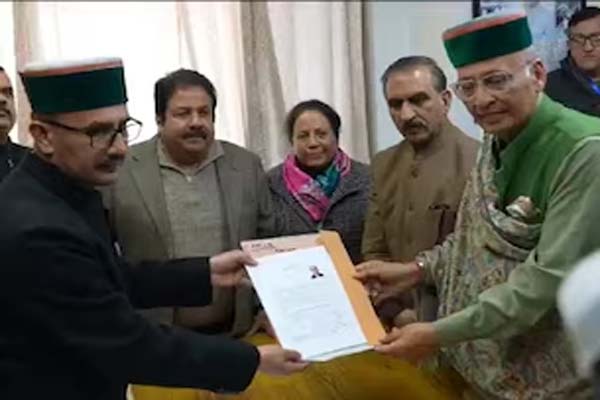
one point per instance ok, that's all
(314, 194)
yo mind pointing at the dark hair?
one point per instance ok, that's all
(1, 68)
(313, 105)
(583, 15)
(411, 62)
(165, 87)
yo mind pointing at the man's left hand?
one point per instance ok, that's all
(413, 343)
(227, 269)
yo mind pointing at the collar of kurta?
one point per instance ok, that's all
(164, 160)
(437, 143)
(6, 145)
(87, 202)
(546, 113)
(56, 181)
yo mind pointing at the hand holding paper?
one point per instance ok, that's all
(414, 342)
(228, 269)
(277, 361)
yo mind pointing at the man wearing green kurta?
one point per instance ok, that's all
(529, 212)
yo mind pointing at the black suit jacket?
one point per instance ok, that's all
(70, 330)
(572, 88)
(11, 155)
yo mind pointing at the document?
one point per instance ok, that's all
(310, 297)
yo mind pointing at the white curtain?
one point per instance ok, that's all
(262, 57)
(320, 52)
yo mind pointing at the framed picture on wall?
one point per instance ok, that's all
(548, 21)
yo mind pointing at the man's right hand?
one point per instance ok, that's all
(384, 280)
(277, 361)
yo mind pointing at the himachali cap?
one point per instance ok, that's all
(579, 304)
(69, 86)
(487, 37)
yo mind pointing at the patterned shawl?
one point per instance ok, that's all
(314, 194)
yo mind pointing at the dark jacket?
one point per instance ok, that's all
(70, 329)
(346, 213)
(571, 87)
(10, 156)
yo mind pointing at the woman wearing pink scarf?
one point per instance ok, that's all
(318, 186)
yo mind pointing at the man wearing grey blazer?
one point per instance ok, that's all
(183, 194)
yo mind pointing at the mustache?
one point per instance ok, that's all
(490, 108)
(481, 114)
(195, 133)
(5, 110)
(414, 124)
(113, 160)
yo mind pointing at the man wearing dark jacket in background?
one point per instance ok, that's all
(576, 84)
(10, 153)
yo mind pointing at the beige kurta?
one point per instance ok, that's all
(415, 198)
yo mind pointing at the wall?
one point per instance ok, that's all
(398, 29)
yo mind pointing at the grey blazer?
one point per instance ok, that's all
(346, 214)
(139, 218)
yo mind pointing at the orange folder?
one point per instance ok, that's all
(358, 296)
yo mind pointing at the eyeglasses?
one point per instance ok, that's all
(580, 40)
(103, 136)
(495, 83)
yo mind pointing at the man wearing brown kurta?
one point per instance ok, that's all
(418, 183)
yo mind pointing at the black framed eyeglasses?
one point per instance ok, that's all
(103, 135)
(580, 40)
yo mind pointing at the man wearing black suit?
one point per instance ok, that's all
(70, 329)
